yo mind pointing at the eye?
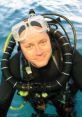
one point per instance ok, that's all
(43, 42)
(29, 46)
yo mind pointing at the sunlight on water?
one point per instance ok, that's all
(59, 5)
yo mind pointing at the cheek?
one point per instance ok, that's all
(49, 48)
(28, 54)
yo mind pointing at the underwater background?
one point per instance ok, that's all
(13, 11)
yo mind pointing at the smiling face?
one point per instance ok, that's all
(36, 48)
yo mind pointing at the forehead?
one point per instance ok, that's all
(31, 34)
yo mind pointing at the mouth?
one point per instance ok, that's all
(42, 57)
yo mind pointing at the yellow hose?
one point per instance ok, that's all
(7, 41)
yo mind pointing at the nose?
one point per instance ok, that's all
(38, 50)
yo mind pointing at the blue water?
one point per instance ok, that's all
(13, 11)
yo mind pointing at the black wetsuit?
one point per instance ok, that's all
(45, 74)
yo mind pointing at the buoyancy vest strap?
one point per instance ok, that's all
(25, 66)
(21, 66)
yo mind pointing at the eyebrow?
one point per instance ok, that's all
(44, 39)
(31, 43)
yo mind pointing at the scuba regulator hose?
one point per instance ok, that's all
(67, 64)
(67, 20)
(66, 50)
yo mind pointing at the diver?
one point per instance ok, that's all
(45, 68)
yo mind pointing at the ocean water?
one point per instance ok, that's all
(13, 11)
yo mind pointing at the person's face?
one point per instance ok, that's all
(36, 48)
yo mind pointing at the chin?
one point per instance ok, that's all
(39, 65)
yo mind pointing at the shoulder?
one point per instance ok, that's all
(15, 58)
(77, 61)
(77, 68)
(14, 65)
(77, 57)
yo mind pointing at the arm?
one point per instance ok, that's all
(6, 90)
(6, 95)
(77, 68)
